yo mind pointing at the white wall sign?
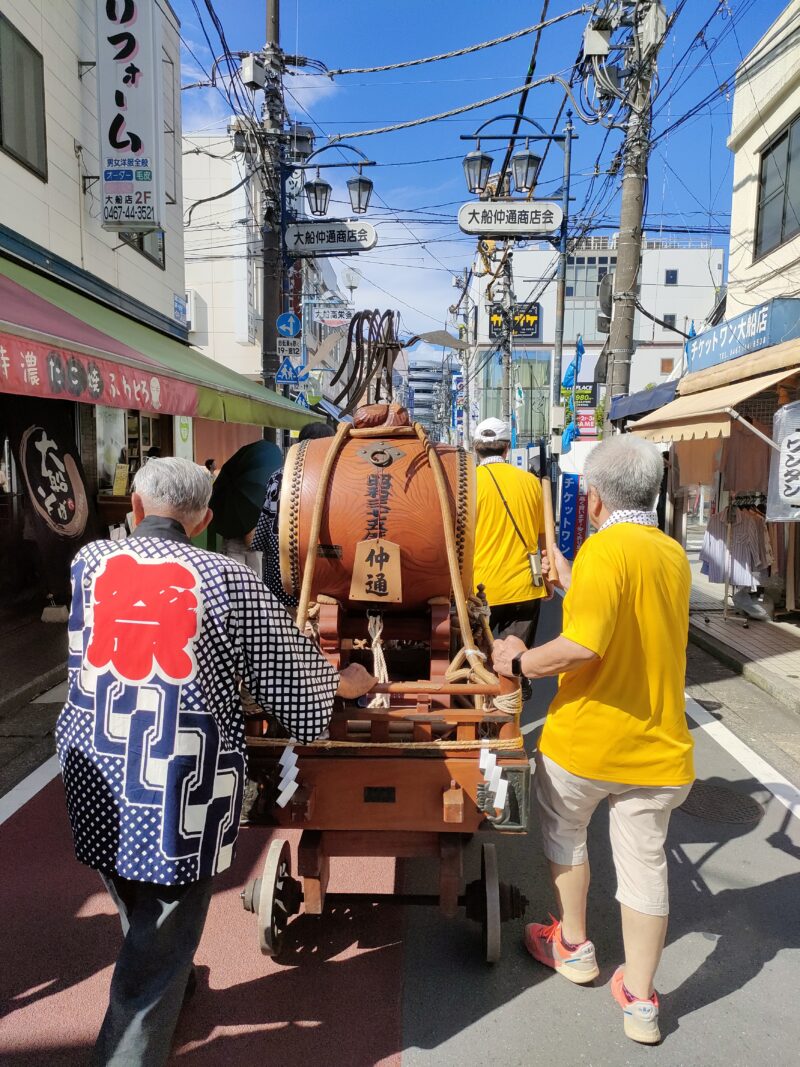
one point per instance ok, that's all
(789, 469)
(311, 238)
(129, 109)
(499, 217)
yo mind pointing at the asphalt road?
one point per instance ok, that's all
(387, 985)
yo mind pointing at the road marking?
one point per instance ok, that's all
(28, 788)
(780, 787)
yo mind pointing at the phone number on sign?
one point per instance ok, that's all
(118, 213)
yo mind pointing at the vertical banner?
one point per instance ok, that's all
(129, 111)
(568, 515)
(582, 529)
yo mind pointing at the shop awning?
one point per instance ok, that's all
(703, 415)
(628, 407)
(57, 343)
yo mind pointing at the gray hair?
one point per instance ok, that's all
(175, 486)
(626, 472)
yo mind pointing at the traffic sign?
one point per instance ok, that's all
(290, 348)
(500, 218)
(288, 373)
(301, 401)
(311, 238)
(288, 324)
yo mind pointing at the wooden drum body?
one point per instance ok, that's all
(381, 487)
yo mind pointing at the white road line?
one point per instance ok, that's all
(780, 787)
(18, 796)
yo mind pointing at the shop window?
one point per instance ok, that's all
(667, 366)
(151, 245)
(669, 320)
(670, 277)
(22, 121)
(779, 191)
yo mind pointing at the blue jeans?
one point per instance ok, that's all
(162, 925)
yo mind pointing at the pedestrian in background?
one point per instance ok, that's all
(151, 739)
(617, 727)
(509, 534)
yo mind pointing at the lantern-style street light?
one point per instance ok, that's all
(318, 193)
(360, 190)
(477, 167)
(525, 168)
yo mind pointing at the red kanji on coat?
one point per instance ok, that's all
(145, 617)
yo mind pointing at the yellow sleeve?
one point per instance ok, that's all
(591, 607)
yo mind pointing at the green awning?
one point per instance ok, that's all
(70, 318)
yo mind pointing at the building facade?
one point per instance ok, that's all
(679, 284)
(764, 258)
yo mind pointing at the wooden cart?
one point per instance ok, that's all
(444, 760)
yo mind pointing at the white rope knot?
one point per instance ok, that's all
(379, 668)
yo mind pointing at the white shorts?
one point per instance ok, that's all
(638, 822)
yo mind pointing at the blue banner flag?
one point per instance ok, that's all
(574, 369)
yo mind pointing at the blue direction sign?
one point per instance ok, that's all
(288, 324)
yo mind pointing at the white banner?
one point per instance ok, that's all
(129, 110)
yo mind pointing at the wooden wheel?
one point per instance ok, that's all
(278, 898)
(490, 918)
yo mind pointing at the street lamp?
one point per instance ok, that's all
(525, 167)
(360, 190)
(477, 167)
(318, 194)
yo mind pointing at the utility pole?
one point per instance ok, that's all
(272, 282)
(636, 151)
(508, 339)
(561, 277)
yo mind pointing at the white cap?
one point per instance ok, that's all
(491, 430)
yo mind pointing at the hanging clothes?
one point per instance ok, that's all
(745, 562)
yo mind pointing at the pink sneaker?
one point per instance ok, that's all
(640, 1017)
(545, 944)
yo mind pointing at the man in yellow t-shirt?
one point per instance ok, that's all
(617, 727)
(509, 527)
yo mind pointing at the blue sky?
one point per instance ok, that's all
(419, 181)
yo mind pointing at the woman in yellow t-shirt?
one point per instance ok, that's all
(617, 727)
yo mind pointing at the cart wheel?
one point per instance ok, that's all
(274, 897)
(490, 919)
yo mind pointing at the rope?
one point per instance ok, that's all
(463, 51)
(316, 523)
(379, 668)
(504, 745)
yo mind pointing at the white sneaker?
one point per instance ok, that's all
(640, 1017)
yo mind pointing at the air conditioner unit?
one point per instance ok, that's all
(191, 315)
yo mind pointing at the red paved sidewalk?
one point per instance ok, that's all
(336, 999)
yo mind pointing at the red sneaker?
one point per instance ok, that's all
(640, 1017)
(545, 944)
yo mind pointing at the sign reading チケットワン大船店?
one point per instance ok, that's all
(31, 368)
(129, 109)
(763, 326)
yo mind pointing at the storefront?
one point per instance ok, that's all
(724, 430)
(86, 394)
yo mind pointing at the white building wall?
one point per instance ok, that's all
(223, 254)
(658, 350)
(56, 213)
(766, 99)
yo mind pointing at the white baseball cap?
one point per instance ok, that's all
(491, 430)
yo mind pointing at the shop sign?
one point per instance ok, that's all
(766, 325)
(509, 217)
(311, 238)
(568, 515)
(129, 109)
(789, 469)
(183, 439)
(54, 483)
(585, 419)
(585, 395)
(34, 369)
(526, 321)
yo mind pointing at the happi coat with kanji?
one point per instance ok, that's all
(151, 739)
